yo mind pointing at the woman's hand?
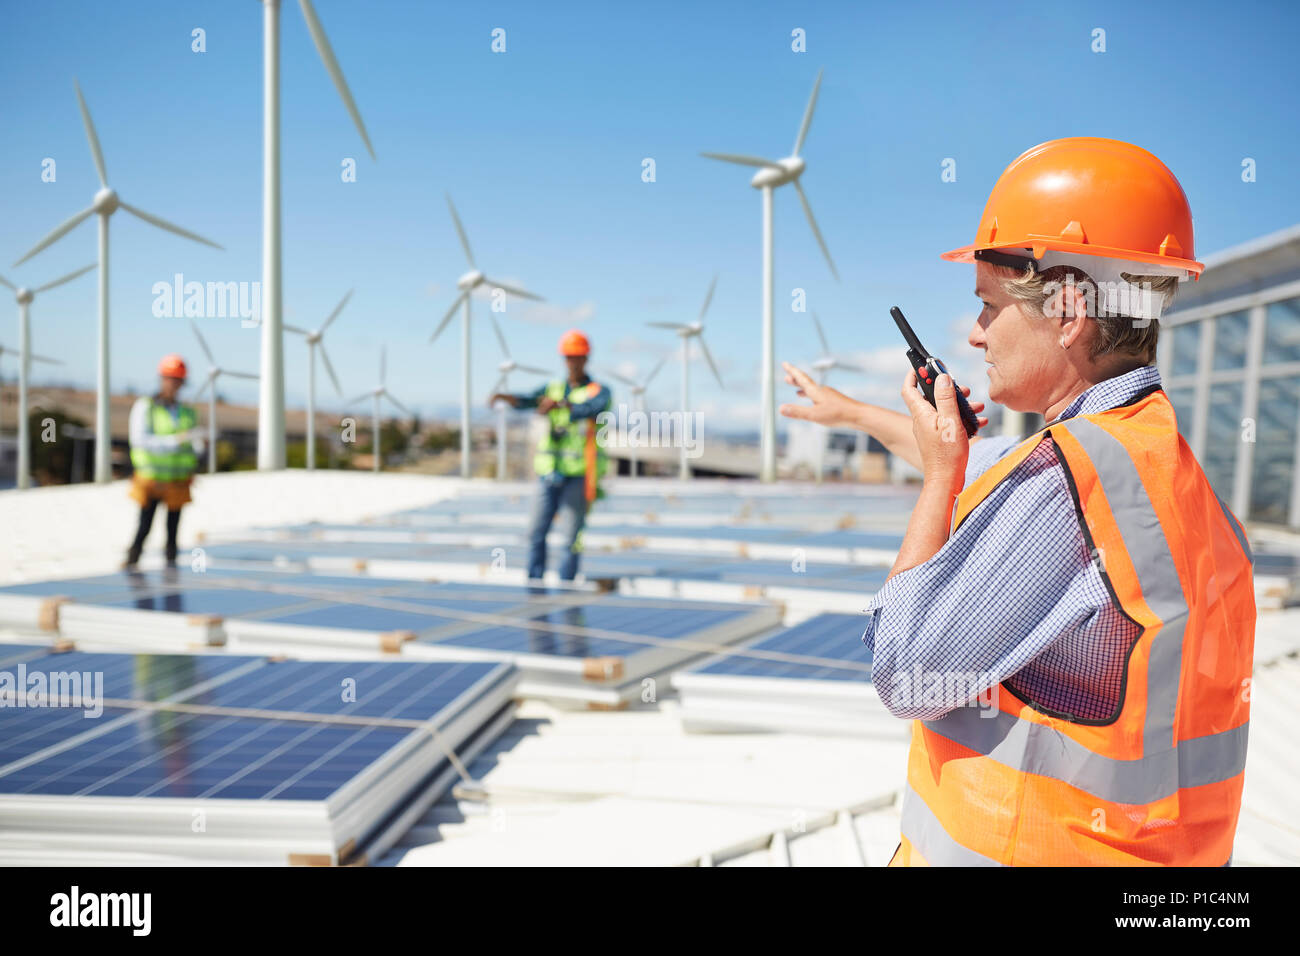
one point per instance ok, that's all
(829, 407)
(940, 435)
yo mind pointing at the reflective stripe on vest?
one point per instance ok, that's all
(1160, 781)
(569, 453)
(175, 465)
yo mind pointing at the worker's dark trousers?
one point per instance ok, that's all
(557, 492)
(146, 522)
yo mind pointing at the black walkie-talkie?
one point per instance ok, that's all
(928, 369)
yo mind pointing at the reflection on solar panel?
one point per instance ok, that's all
(280, 761)
(763, 687)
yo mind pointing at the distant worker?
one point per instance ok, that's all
(569, 459)
(1070, 620)
(163, 436)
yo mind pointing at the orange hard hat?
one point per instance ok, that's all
(574, 342)
(1087, 196)
(172, 366)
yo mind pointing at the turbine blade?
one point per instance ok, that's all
(330, 369)
(383, 364)
(56, 234)
(95, 151)
(532, 368)
(848, 366)
(293, 328)
(204, 390)
(405, 411)
(337, 309)
(203, 344)
(460, 231)
(743, 160)
(807, 211)
(170, 227)
(705, 349)
(447, 318)
(247, 375)
(8, 285)
(500, 338)
(46, 360)
(807, 115)
(622, 378)
(363, 395)
(821, 335)
(708, 298)
(676, 326)
(332, 68)
(500, 386)
(522, 293)
(654, 371)
(67, 278)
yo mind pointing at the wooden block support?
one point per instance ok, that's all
(47, 617)
(391, 642)
(602, 668)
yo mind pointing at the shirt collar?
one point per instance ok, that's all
(1111, 393)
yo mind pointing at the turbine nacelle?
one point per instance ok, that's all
(470, 280)
(784, 171)
(106, 202)
(24, 295)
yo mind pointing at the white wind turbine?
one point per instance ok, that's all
(25, 358)
(467, 284)
(106, 202)
(215, 372)
(638, 389)
(693, 330)
(770, 175)
(822, 366)
(270, 407)
(313, 341)
(375, 394)
(506, 366)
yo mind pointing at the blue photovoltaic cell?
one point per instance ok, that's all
(397, 689)
(17, 652)
(188, 755)
(172, 754)
(828, 636)
(142, 676)
(223, 602)
(664, 623)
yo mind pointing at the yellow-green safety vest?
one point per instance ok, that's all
(177, 464)
(567, 446)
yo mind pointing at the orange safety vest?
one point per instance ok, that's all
(1159, 782)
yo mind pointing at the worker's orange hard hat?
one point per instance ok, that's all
(574, 342)
(1088, 196)
(172, 366)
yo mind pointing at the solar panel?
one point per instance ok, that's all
(826, 636)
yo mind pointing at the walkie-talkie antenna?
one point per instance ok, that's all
(912, 341)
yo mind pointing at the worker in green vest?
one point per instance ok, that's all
(163, 435)
(569, 459)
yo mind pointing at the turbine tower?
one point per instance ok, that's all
(215, 372)
(270, 407)
(822, 366)
(693, 330)
(375, 394)
(638, 396)
(25, 358)
(770, 175)
(313, 341)
(507, 366)
(467, 284)
(106, 203)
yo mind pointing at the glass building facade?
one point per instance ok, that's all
(1230, 362)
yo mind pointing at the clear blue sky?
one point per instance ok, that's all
(541, 148)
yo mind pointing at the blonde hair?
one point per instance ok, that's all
(1116, 334)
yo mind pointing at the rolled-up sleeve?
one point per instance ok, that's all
(1015, 577)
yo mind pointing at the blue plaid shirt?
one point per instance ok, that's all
(1013, 596)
